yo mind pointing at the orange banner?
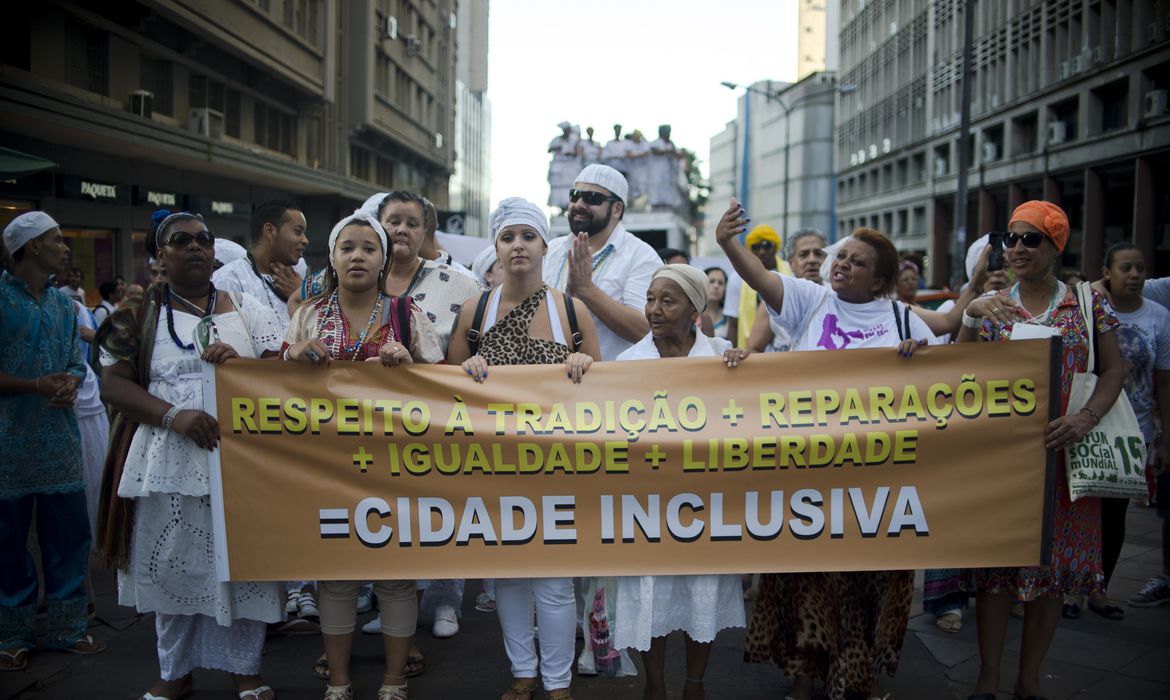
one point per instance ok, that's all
(816, 461)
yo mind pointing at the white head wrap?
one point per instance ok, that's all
(370, 206)
(973, 254)
(517, 210)
(360, 217)
(227, 250)
(692, 280)
(607, 177)
(26, 227)
(830, 256)
(483, 263)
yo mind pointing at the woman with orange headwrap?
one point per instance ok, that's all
(1037, 234)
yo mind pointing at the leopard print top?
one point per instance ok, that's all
(508, 343)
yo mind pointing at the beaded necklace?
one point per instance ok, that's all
(345, 348)
(1057, 296)
(597, 263)
(267, 283)
(171, 315)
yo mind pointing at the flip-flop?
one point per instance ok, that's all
(950, 622)
(1070, 611)
(1109, 612)
(184, 691)
(14, 659)
(256, 693)
(321, 668)
(86, 646)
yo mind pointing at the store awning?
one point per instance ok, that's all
(15, 164)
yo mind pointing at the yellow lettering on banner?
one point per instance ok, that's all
(296, 419)
(792, 451)
(501, 412)
(588, 457)
(905, 446)
(881, 400)
(528, 418)
(998, 398)
(347, 417)
(529, 457)
(662, 418)
(243, 410)
(417, 458)
(820, 450)
(849, 451)
(801, 409)
(387, 407)
(735, 454)
(477, 459)
(460, 419)
(969, 397)
(853, 408)
(416, 426)
(558, 419)
(877, 448)
(827, 401)
(320, 411)
(617, 457)
(1024, 391)
(688, 404)
(588, 417)
(690, 464)
(558, 458)
(633, 427)
(911, 404)
(772, 410)
(268, 415)
(763, 453)
(942, 412)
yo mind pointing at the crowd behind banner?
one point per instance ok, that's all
(105, 440)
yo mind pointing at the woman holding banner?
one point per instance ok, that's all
(333, 327)
(649, 608)
(1037, 235)
(842, 627)
(523, 322)
(152, 357)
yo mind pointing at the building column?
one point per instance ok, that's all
(1015, 196)
(1093, 233)
(986, 219)
(940, 242)
(1053, 192)
(1144, 215)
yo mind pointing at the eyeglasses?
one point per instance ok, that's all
(591, 198)
(763, 245)
(182, 239)
(1032, 239)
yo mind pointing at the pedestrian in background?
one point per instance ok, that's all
(41, 469)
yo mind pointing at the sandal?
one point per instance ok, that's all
(338, 692)
(1108, 611)
(257, 693)
(950, 622)
(321, 668)
(184, 691)
(1070, 611)
(521, 689)
(392, 692)
(14, 659)
(559, 694)
(86, 646)
(416, 665)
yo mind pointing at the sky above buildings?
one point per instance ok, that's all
(640, 63)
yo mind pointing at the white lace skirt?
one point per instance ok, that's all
(172, 566)
(188, 642)
(655, 606)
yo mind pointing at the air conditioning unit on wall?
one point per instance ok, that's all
(1157, 103)
(206, 122)
(390, 28)
(1057, 133)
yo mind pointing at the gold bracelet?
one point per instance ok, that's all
(1096, 416)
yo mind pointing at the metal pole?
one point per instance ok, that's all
(743, 165)
(959, 249)
(787, 143)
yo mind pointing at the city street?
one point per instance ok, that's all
(1091, 657)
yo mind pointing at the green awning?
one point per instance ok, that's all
(14, 163)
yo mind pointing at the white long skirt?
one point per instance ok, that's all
(655, 606)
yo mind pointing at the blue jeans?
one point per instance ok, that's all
(63, 534)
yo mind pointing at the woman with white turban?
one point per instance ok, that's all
(354, 320)
(527, 323)
(651, 607)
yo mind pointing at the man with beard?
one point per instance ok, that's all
(806, 252)
(602, 263)
(266, 272)
(741, 301)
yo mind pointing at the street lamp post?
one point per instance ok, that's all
(788, 109)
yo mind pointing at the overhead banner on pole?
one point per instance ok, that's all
(816, 461)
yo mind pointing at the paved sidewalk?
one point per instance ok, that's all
(1091, 658)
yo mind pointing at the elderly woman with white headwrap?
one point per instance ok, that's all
(354, 320)
(649, 608)
(526, 323)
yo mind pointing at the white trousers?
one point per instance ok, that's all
(556, 618)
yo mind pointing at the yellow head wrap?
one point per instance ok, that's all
(763, 232)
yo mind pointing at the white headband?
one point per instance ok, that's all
(517, 210)
(360, 217)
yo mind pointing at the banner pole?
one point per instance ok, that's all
(218, 521)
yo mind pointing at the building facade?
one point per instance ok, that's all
(470, 185)
(1068, 103)
(217, 107)
(779, 148)
(816, 40)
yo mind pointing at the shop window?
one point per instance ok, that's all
(1025, 130)
(91, 251)
(1110, 106)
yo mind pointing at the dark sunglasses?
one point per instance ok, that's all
(182, 239)
(1032, 239)
(763, 245)
(591, 198)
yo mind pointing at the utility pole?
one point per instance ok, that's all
(959, 248)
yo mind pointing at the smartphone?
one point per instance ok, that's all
(995, 257)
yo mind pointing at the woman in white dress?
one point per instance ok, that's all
(651, 607)
(200, 623)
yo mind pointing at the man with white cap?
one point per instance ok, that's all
(602, 263)
(565, 161)
(41, 471)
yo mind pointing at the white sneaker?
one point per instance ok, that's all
(485, 603)
(446, 622)
(290, 605)
(307, 607)
(373, 626)
(365, 600)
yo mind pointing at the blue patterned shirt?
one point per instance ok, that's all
(41, 446)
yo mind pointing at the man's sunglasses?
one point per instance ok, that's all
(1032, 239)
(592, 198)
(763, 245)
(182, 239)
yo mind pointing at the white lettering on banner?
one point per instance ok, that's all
(517, 519)
(222, 208)
(161, 199)
(99, 191)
